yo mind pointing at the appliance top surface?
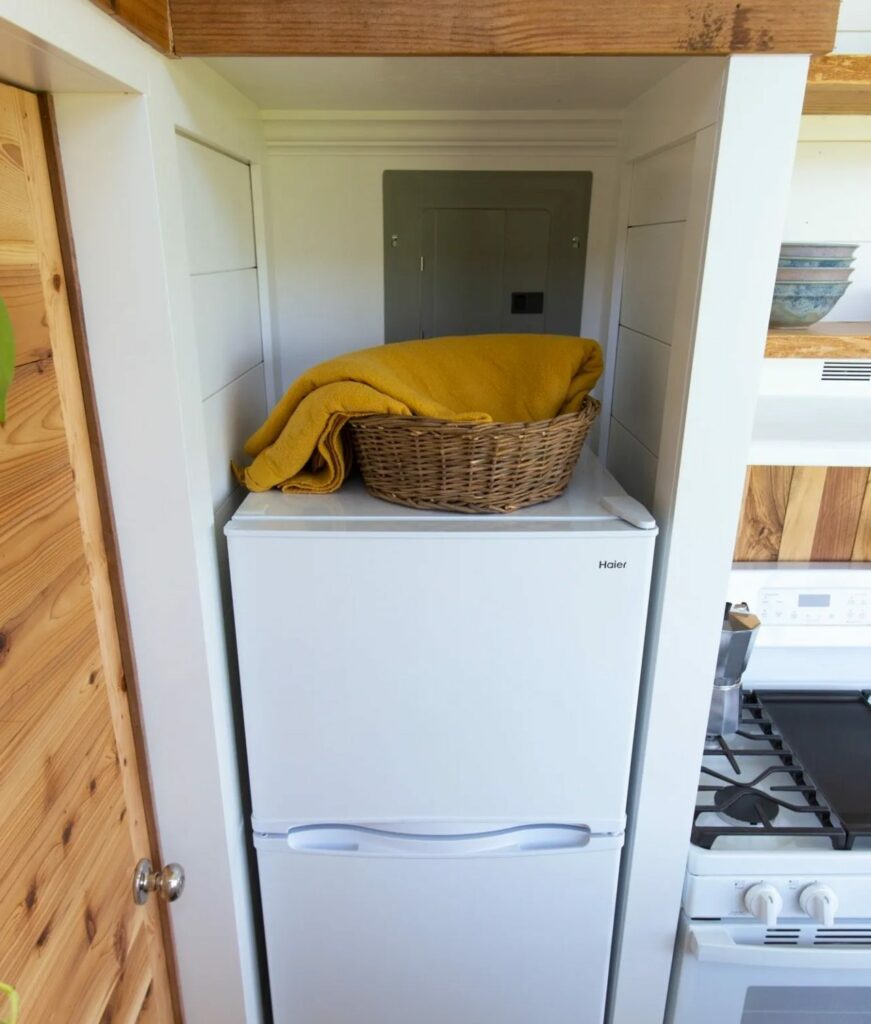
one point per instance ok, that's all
(580, 504)
(757, 796)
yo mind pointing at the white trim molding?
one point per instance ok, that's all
(547, 132)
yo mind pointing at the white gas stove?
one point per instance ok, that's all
(776, 922)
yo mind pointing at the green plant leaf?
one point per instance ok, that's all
(7, 357)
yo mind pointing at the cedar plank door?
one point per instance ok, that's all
(72, 817)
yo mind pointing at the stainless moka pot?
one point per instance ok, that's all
(736, 644)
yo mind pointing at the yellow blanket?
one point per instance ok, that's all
(482, 378)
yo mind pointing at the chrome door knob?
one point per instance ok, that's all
(168, 882)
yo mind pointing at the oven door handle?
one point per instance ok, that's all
(716, 946)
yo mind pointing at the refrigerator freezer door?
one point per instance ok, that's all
(419, 676)
(511, 935)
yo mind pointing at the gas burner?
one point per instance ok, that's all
(745, 805)
(753, 785)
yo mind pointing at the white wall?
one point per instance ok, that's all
(830, 199)
(323, 179)
(659, 193)
(121, 167)
(854, 27)
(224, 280)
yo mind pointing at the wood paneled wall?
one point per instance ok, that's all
(805, 514)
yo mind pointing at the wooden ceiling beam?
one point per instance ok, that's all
(499, 27)
(839, 84)
(148, 19)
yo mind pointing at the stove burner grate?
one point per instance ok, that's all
(756, 811)
(744, 805)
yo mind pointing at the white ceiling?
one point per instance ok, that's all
(443, 83)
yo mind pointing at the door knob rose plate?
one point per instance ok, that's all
(168, 882)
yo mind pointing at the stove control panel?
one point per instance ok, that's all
(814, 606)
(827, 900)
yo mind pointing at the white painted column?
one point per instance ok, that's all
(724, 301)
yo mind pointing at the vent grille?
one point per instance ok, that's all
(811, 936)
(851, 369)
(843, 937)
(782, 937)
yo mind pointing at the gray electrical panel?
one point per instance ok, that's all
(481, 252)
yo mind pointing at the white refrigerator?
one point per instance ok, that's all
(439, 713)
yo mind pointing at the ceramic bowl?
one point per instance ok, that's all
(814, 261)
(813, 275)
(799, 304)
(822, 250)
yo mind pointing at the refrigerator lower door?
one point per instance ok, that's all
(507, 926)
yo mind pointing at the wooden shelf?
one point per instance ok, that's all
(827, 340)
(839, 84)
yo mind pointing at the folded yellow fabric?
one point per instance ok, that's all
(481, 378)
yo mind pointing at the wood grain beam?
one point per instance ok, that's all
(839, 84)
(148, 19)
(499, 27)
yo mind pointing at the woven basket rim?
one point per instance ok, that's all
(588, 406)
(470, 466)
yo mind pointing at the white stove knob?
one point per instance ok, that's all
(765, 902)
(819, 902)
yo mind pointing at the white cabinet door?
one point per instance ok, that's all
(508, 929)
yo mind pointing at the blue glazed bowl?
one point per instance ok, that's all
(819, 250)
(814, 261)
(800, 305)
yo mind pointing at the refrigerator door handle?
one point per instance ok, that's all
(366, 841)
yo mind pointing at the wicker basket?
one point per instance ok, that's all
(469, 467)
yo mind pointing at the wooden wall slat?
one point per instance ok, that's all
(802, 513)
(126, 1002)
(862, 547)
(39, 525)
(839, 514)
(21, 290)
(489, 27)
(52, 675)
(824, 514)
(15, 211)
(766, 496)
